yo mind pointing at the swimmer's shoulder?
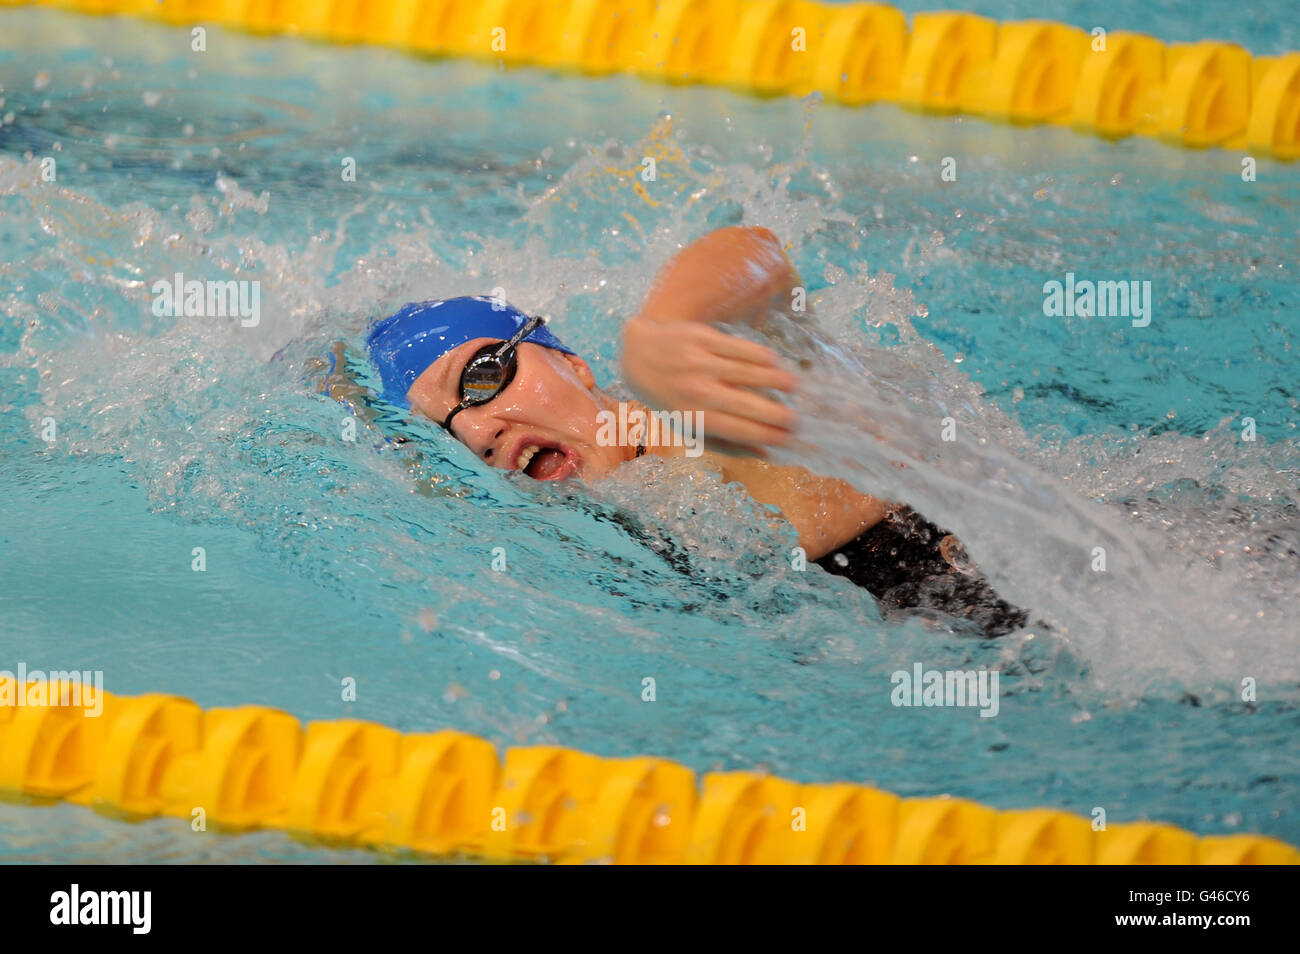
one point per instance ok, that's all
(749, 471)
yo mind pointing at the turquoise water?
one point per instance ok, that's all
(1267, 28)
(327, 558)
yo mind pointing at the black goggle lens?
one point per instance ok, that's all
(485, 376)
(490, 371)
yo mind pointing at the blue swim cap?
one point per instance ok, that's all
(403, 345)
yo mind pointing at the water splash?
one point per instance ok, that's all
(342, 557)
(214, 429)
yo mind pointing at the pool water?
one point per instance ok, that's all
(328, 558)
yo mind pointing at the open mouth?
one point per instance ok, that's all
(544, 461)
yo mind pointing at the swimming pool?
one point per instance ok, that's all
(322, 562)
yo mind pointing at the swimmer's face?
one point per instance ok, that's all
(543, 423)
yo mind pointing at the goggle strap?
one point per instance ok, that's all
(446, 425)
(533, 323)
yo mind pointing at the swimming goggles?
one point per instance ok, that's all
(490, 371)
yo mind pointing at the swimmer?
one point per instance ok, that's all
(506, 387)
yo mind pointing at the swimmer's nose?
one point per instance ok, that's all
(482, 437)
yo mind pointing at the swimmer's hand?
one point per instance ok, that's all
(675, 360)
(688, 366)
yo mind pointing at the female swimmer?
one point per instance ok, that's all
(506, 387)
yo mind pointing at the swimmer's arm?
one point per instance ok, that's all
(342, 387)
(675, 359)
(826, 513)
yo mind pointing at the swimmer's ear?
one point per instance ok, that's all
(581, 369)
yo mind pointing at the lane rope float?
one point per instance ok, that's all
(364, 784)
(1110, 83)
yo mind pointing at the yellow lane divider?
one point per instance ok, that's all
(354, 782)
(1111, 83)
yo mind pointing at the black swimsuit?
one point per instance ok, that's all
(910, 565)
